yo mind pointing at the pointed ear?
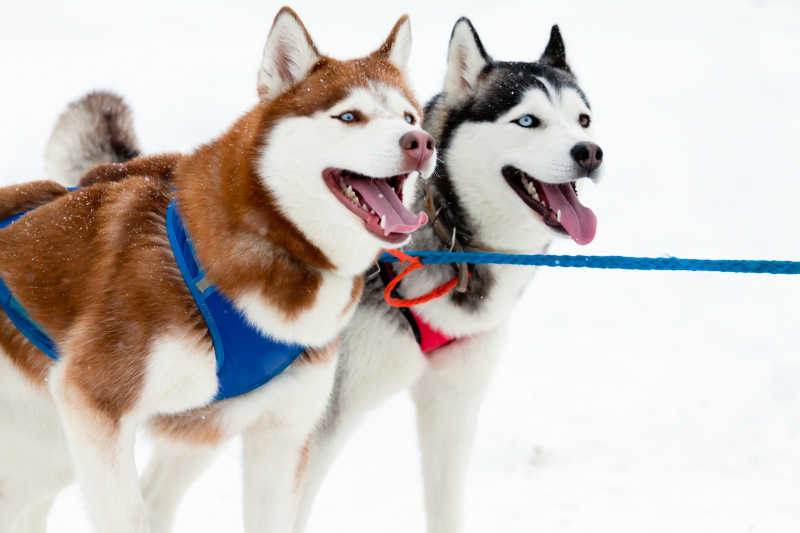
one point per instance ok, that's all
(466, 59)
(397, 47)
(288, 55)
(554, 53)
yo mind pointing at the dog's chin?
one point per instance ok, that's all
(377, 202)
(557, 205)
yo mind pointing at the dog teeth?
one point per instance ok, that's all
(530, 188)
(349, 193)
(558, 215)
(383, 221)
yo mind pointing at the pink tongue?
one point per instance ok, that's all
(380, 196)
(577, 219)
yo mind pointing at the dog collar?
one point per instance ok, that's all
(449, 236)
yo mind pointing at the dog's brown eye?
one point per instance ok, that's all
(410, 118)
(584, 120)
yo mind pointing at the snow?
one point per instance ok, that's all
(625, 401)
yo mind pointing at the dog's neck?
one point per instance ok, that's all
(491, 290)
(451, 228)
(234, 223)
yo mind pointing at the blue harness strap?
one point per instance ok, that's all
(246, 358)
(19, 317)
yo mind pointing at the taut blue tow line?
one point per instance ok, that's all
(743, 266)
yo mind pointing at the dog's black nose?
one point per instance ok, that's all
(587, 155)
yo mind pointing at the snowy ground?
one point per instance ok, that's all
(626, 401)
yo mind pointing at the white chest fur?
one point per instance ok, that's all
(315, 326)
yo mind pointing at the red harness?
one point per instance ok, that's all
(428, 337)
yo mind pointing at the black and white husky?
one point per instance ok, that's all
(514, 140)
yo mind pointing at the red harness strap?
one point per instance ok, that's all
(428, 337)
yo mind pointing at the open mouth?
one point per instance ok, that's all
(377, 201)
(557, 204)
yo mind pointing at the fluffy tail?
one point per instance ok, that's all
(97, 128)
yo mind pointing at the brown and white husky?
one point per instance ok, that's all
(286, 210)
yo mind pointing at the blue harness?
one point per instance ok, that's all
(246, 358)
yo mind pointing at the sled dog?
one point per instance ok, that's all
(515, 140)
(110, 291)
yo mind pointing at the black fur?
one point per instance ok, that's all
(501, 86)
(554, 54)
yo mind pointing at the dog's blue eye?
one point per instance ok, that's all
(409, 118)
(347, 117)
(527, 121)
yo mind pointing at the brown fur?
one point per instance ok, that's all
(324, 354)
(16, 199)
(95, 270)
(223, 173)
(94, 267)
(161, 166)
(302, 465)
(355, 294)
(198, 426)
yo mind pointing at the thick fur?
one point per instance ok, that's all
(471, 121)
(95, 269)
(97, 128)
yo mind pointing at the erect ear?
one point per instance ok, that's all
(466, 59)
(554, 54)
(397, 47)
(288, 55)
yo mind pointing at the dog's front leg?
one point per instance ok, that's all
(34, 517)
(448, 398)
(272, 473)
(275, 447)
(101, 446)
(169, 474)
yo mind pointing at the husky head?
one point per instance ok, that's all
(343, 145)
(515, 139)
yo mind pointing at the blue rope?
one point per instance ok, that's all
(607, 262)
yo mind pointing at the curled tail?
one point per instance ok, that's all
(97, 128)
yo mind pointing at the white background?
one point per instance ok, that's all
(626, 401)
